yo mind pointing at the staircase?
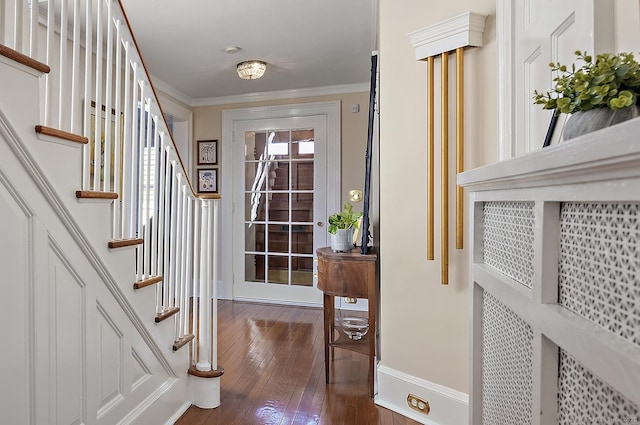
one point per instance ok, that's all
(108, 250)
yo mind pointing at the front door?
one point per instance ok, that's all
(280, 208)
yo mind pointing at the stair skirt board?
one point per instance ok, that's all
(448, 406)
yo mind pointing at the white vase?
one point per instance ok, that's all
(342, 241)
(583, 122)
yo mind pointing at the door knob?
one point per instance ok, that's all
(320, 224)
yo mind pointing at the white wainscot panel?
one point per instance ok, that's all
(141, 370)
(15, 368)
(68, 348)
(110, 361)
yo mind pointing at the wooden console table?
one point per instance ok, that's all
(348, 274)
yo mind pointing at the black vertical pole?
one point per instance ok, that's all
(367, 175)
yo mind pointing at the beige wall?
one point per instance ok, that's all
(207, 123)
(424, 325)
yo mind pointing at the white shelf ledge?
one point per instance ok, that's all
(460, 31)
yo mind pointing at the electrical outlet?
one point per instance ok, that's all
(418, 404)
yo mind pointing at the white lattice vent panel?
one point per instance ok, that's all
(584, 399)
(507, 365)
(508, 239)
(599, 265)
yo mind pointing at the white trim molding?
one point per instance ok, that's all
(171, 91)
(460, 31)
(260, 96)
(448, 406)
(506, 74)
(283, 94)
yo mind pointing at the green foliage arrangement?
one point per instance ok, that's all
(612, 80)
(344, 219)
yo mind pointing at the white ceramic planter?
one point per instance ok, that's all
(584, 122)
(342, 241)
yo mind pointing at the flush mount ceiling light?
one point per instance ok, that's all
(251, 70)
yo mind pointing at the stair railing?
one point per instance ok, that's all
(99, 87)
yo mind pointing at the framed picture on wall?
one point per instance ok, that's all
(208, 180)
(207, 152)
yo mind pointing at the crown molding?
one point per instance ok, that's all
(460, 31)
(282, 94)
(259, 96)
(171, 91)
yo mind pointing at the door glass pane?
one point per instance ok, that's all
(301, 239)
(254, 268)
(302, 175)
(278, 206)
(254, 146)
(254, 206)
(302, 145)
(278, 175)
(254, 240)
(302, 208)
(256, 175)
(278, 192)
(278, 144)
(279, 269)
(278, 238)
(302, 271)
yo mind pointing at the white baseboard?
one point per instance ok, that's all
(448, 406)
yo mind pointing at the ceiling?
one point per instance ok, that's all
(305, 43)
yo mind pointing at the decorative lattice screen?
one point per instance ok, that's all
(508, 239)
(586, 400)
(599, 265)
(507, 365)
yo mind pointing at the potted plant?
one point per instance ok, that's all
(341, 227)
(598, 94)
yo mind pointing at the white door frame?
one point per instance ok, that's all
(330, 109)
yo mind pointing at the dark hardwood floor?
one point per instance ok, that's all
(274, 373)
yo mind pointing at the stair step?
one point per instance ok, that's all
(92, 194)
(147, 282)
(121, 243)
(14, 55)
(166, 314)
(182, 342)
(65, 135)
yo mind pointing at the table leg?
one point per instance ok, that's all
(328, 316)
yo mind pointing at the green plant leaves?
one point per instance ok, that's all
(595, 84)
(344, 219)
